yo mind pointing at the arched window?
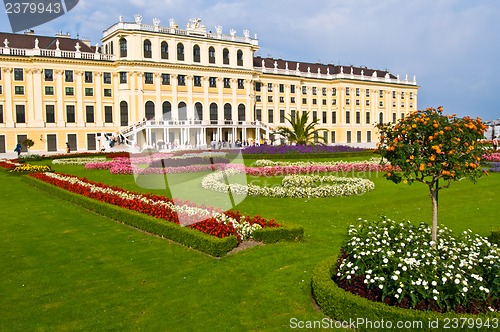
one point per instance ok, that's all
(198, 111)
(106, 50)
(214, 115)
(228, 116)
(196, 53)
(123, 48)
(239, 56)
(211, 55)
(182, 111)
(167, 110)
(225, 56)
(123, 114)
(381, 118)
(149, 112)
(148, 53)
(112, 50)
(164, 50)
(180, 52)
(241, 112)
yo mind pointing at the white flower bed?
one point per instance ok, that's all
(77, 161)
(401, 261)
(298, 186)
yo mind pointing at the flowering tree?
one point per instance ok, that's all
(301, 132)
(427, 146)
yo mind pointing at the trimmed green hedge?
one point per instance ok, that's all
(495, 236)
(186, 236)
(346, 307)
(307, 155)
(277, 234)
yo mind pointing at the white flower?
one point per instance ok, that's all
(434, 283)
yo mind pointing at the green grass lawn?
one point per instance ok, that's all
(65, 269)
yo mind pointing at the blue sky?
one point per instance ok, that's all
(452, 46)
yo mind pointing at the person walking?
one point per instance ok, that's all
(68, 149)
(495, 143)
(18, 148)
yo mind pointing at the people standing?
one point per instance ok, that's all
(68, 149)
(495, 143)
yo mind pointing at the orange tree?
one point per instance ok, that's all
(427, 146)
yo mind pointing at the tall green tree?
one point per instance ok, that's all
(432, 148)
(300, 131)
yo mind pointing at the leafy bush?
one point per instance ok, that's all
(273, 235)
(495, 236)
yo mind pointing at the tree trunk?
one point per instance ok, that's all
(434, 198)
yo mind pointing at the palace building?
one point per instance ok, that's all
(186, 87)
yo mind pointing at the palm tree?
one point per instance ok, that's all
(300, 132)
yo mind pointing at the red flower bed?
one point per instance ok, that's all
(151, 205)
(6, 165)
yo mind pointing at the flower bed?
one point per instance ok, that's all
(28, 168)
(8, 164)
(396, 263)
(495, 156)
(209, 221)
(78, 160)
(299, 149)
(297, 186)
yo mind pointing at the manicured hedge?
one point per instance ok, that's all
(278, 234)
(495, 236)
(344, 306)
(189, 237)
(307, 155)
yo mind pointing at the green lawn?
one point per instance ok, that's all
(65, 269)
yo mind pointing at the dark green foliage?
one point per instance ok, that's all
(272, 235)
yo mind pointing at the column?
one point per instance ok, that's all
(190, 106)
(140, 110)
(99, 109)
(158, 103)
(80, 122)
(7, 77)
(59, 91)
(36, 106)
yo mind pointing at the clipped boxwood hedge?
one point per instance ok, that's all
(277, 234)
(495, 236)
(186, 236)
(249, 156)
(358, 312)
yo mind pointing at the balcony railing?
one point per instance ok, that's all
(56, 54)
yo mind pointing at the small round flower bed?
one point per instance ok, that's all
(297, 186)
(398, 264)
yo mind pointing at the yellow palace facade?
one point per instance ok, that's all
(147, 84)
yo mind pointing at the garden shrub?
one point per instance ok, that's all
(495, 236)
(278, 234)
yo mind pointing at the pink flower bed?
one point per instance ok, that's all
(494, 157)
